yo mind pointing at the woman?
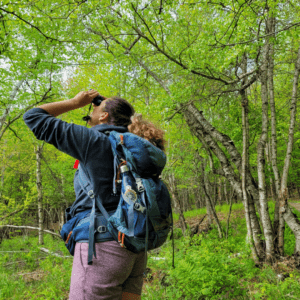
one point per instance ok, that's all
(116, 273)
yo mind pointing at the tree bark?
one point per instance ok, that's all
(226, 192)
(256, 253)
(285, 210)
(220, 191)
(228, 218)
(2, 170)
(177, 202)
(272, 185)
(265, 217)
(278, 224)
(38, 152)
(209, 203)
(194, 120)
(201, 124)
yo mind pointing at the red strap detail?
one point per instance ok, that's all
(122, 139)
(121, 237)
(76, 164)
(67, 241)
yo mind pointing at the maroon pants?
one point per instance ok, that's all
(114, 271)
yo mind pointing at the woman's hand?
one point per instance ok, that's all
(80, 100)
(84, 98)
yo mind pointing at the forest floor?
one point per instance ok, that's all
(239, 214)
(193, 221)
(206, 267)
(258, 285)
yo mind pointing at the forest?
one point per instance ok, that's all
(220, 77)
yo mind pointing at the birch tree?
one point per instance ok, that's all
(39, 187)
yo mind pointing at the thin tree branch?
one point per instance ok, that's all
(11, 214)
(14, 133)
(143, 20)
(137, 30)
(258, 37)
(32, 228)
(7, 124)
(35, 27)
(131, 46)
(160, 7)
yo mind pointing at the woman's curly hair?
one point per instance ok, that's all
(147, 130)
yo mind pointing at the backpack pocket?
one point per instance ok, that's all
(155, 240)
(67, 231)
(81, 231)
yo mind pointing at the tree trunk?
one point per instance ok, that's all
(220, 191)
(2, 171)
(197, 198)
(178, 204)
(256, 253)
(298, 190)
(285, 210)
(278, 224)
(228, 218)
(215, 189)
(38, 152)
(225, 192)
(205, 189)
(207, 136)
(209, 204)
(265, 217)
(272, 191)
(188, 199)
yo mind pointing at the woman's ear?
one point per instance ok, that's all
(103, 118)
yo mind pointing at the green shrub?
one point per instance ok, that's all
(206, 267)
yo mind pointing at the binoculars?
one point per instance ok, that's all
(97, 100)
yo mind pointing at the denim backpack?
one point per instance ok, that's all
(143, 217)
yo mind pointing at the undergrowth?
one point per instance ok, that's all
(209, 268)
(205, 267)
(28, 273)
(202, 211)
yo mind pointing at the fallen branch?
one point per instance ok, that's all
(33, 228)
(52, 253)
(195, 229)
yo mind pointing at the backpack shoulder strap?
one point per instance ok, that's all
(86, 185)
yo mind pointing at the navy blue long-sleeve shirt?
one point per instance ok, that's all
(90, 146)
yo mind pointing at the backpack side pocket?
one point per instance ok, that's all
(67, 231)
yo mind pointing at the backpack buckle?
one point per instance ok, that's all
(139, 185)
(91, 194)
(101, 229)
(139, 207)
